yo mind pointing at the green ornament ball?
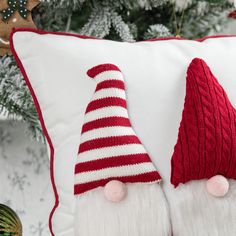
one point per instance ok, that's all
(10, 224)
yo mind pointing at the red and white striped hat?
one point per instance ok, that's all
(109, 148)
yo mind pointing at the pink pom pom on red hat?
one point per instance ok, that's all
(218, 186)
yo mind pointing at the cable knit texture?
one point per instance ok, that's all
(109, 148)
(206, 143)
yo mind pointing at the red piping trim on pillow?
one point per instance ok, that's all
(37, 103)
(42, 32)
(43, 128)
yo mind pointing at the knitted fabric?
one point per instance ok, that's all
(109, 148)
(206, 143)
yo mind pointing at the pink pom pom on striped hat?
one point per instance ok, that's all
(109, 148)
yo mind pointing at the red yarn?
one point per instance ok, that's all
(206, 144)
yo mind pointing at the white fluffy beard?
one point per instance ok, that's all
(194, 212)
(144, 212)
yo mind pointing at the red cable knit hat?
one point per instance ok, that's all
(109, 148)
(206, 143)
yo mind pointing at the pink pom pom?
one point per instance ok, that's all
(218, 186)
(115, 191)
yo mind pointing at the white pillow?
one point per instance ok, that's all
(55, 65)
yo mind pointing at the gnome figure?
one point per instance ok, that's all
(116, 184)
(204, 159)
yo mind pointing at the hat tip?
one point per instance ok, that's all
(94, 71)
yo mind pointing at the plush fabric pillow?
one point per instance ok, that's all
(55, 67)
